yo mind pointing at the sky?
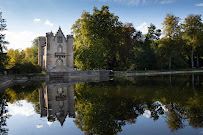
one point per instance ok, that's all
(28, 19)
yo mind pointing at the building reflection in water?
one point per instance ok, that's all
(57, 101)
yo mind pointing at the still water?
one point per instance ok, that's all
(152, 105)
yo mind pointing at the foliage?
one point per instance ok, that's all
(125, 48)
(171, 28)
(24, 61)
(103, 42)
(193, 33)
(16, 56)
(143, 54)
(26, 67)
(97, 39)
(3, 58)
(3, 61)
(2, 36)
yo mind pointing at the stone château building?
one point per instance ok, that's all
(55, 52)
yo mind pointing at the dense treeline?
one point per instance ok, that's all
(24, 61)
(103, 42)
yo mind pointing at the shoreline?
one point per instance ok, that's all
(155, 73)
(5, 81)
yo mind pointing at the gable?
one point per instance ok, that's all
(59, 36)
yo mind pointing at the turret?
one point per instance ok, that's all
(41, 43)
(70, 51)
(49, 36)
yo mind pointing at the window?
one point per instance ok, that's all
(59, 49)
(59, 39)
(59, 62)
(60, 91)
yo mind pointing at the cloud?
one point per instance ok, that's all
(140, 2)
(147, 114)
(47, 22)
(25, 109)
(166, 1)
(143, 28)
(199, 5)
(49, 123)
(37, 20)
(39, 126)
(20, 39)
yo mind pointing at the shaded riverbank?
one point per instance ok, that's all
(121, 73)
(5, 81)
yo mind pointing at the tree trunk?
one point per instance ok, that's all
(169, 64)
(193, 83)
(192, 62)
(197, 61)
(170, 79)
(198, 81)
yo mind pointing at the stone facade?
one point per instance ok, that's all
(55, 52)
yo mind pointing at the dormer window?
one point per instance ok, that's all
(59, 39)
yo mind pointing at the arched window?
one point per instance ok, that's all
(60, 49)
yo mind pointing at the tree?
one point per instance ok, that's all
(3, 57)
(153, 33)
(127, 45)
(24, 61)
(171, 29)
(2, 36)
(144, 56)
(31, 53)
(16, 56)
(97, 39)
(193, 32)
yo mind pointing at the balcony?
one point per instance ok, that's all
(61, 98)
(60, 54)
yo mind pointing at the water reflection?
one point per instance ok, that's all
(4, 117)
(57, 101)
(108, 107)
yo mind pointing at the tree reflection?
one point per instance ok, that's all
(174, 119)
(104, 112)
(104, 107)
(24, 91)
(4, 116)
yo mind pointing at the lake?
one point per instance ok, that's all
(144, 105)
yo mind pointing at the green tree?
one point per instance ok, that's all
(171, 29)
(16, 56)
(97, 39)
(126, 46)
(3, 43)
(193, 33)
(144, 56)
(31, 53)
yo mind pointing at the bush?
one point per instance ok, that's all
(26, 67)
